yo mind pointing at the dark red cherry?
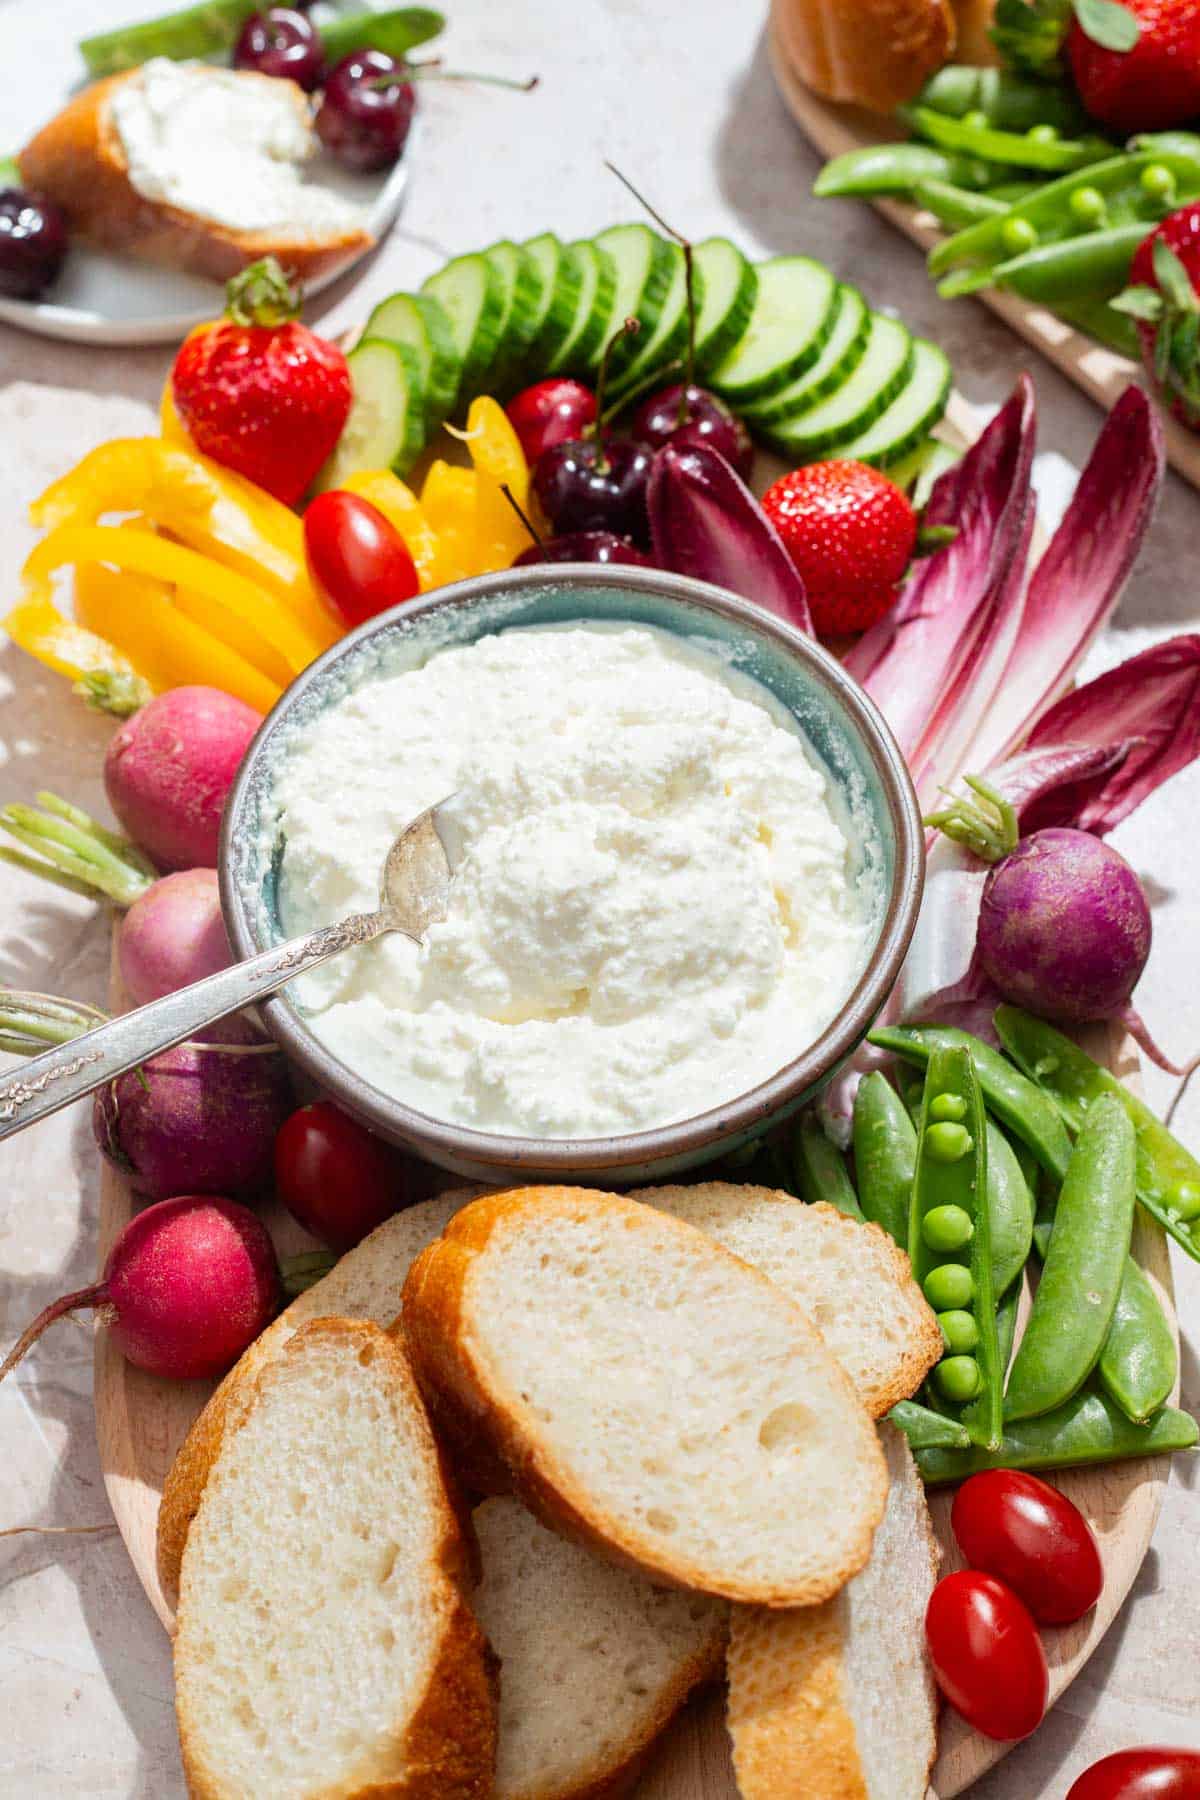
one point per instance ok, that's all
(281, 42)
(588, 484)
(549, 413)
(584, 547)
(33, 243)
(709, 421)
(366, 110)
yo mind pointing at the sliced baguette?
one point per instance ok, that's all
(594, 1661)
(849, 1277)
(78, 161)
(325, 1648)
(646, 1393)
(365, 1284)
(836, 1702)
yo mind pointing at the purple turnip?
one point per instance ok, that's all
(169, 768)
(187, 1287)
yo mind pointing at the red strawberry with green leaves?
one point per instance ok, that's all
(851, 533)
(258, 391)
(1164, 300)
(1136, 63)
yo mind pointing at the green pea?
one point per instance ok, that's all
(976, 120)
(948, 1286)
(960, 1330)
(1018, 236)
(1043, 134)
(1158, 182)
(947, 1228)
(958, 1378)
(947, 1106)
(1088, 206)
(947, 1142)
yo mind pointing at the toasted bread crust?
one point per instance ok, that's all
(77, 161)
(872, 53)
(478, 1415)
(446, 1749)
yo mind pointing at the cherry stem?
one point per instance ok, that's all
(630, 328)
(648, 383)
(95, 1295)
(685, 244)
(524, 517)
(433, 71)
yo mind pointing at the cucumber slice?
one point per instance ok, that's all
(418, 321)
(386, 427)
(794, 311)
(726, 299)
(914, 412)
(521, 279)
(860, 400)
(841, 355)
(668, 340)
(556, 300)
(597, 282)
(645, 264)
(472, 295)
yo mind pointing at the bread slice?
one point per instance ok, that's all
(849, 1277)
(78, 161)
(325, 1648)
(594, 1661)
(646, 1393)
(365, 1284)
(873, 53)
(836, 1702)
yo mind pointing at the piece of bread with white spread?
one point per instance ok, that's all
(326, 1649)
(850, 1278)
(645, 1393)
(196, 169)
(837, 1702)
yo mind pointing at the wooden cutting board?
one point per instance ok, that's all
(1100, 372)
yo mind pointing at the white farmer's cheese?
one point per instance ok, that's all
(225, 147)
(653, 906)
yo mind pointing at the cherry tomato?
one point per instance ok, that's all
(1026, 1533)
(359, 563)
(986, 1654)
(1151, 1773)
(333, 1175)
(550, 412)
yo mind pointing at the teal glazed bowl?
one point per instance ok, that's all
(868, 781)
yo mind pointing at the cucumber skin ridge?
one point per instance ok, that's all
(833, 437)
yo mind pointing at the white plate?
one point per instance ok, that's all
(101, 298)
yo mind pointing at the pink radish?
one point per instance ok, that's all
(187, 1286)
(169, 768)
(174, 935)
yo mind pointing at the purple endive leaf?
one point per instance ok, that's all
(1150, 704)
(1081, 576)
(1055, 784)
(705, 522)
(910, 661)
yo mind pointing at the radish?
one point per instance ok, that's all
(200, 1118)
(169, 768)
(187, 1287)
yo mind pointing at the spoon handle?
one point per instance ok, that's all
(70, 1070)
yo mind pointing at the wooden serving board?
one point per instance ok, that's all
(1100, 372)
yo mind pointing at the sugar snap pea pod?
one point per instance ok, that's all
(821, 1172)
(1182, 143)
(1130, 187)
(1016, 1101)
(1036, 149)
(1094, 265)
(956, 207)
(928, 1430)
(949, 1240)
(885, 1155)
(1090, 1428)
(1168, 1175)
(1081, 1277)
(1010, 1211)
(1011, 102)
(395, 32)
(884, 169)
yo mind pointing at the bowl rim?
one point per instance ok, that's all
(451, 1143)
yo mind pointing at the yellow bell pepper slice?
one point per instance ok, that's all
(243, 615)
(137, 614)
(448, 500)
(401, 508)
(206, 507)
(495, 448)
(67, 648)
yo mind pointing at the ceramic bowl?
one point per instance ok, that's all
(869, 781)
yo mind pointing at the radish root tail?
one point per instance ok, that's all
(58, 1309)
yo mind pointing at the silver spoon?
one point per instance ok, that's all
(413, 895)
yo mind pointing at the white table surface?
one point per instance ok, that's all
(678, 93)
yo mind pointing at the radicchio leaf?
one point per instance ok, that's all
(1081, 576)
(705, 522)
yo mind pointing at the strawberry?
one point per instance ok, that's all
(259, 392)
(1164, 299)
(1154, 81)
(851, 533)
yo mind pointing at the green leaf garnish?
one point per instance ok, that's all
(1140, 303)
(1173, 278)
(1029, 34)
(1108, 24)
